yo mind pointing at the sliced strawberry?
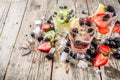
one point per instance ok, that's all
(100, 60)
(46, 27)
(104, 30)
(116, 28)
(45, 47)
(104, 49)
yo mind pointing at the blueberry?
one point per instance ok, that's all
(53, 28)
(66, 49)
(65, 7)
(90, 30)
(68, 43)
(114, 14)
(67, 60)
(117, 54)
(61, 7)
(32, 34)
(40, 38)
(48, 21)
(106, 17)
(49, 56)
(75, 30)
(62, 18)
(67, 20)
(81, 23)
(83, 12)
(107, 42)
(110, 8)
(112, 44)
(55, 13)
(88, 23)
(47, 39)
(117, 22)
(87, 57)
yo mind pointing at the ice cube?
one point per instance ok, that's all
(38, 22)
(82, 64)
(63, 56)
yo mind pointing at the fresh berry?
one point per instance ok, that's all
(117, 41)
(107, 42)
(62, 18)
(53, 27)
(75, 30)
(65, 7)
(66, 49)
(117, 22)
(110, 8)
(40, 38)
(106, 17)
(83, 12)
(73, 54)
(104, 49)
(116, 28)
(112, 44)
(55, 13)
(114, 14)
(117, 54)
(90, 30)
(49, 22)
(67, 60)
(87, 57)
(104, 30)
(94, 43)
(81, 23)
(61, 7)
(46, 27)
(88, 23)
(32, 34)
(47, 39)
(45, 47)
(49, 56)
(100, 60)
(68, 43)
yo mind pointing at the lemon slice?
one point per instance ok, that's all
(101, 9)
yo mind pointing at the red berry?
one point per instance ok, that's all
(104, 30)
(46, 27)
(116, 28)
(104, 49)
(100, 60)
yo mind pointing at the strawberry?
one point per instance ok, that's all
(46, 27)
(104, 30)
(116, 28)
(45, 47)
(104, 49)
(100, 60)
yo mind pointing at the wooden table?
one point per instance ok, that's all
(16, 22)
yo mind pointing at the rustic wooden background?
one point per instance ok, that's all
(16, 22)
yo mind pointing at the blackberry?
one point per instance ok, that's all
(40, 38)
(117, 22)
(87, 57)
(48, 21)
(110, 8)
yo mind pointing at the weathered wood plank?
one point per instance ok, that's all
(4, 9)
(33, 66)
(112, 70)
(9, 34)
(61, 71)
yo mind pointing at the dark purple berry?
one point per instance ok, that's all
(117, 54)
(66, 49)
(88, 23)
(68, 43)
(110, 8)
(32, 34)
(40, 38)
(49, 56)
(47, 39)
(106, 17)
(67, 60)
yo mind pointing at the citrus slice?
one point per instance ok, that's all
(101, 9)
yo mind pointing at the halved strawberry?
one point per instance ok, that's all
(46, 27)
(45, 47)
(100, 60)
(104, 49)
(116, 28)
(104, 30)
